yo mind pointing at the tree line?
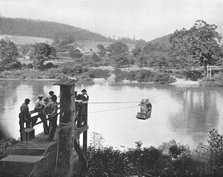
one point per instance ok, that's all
(196, 47)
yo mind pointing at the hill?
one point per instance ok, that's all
(45, 29)
(164, 40)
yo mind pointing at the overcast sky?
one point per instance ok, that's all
(146, 19)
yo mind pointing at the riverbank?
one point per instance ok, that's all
(86, 75)
(108, 74)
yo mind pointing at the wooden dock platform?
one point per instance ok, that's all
(35, 156)
(29, 158)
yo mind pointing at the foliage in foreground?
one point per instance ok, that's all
(168, 160)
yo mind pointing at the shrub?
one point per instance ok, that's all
(163, 78)
(193, 75)
(98, 73)
(217, 80)
(30, 65)
(13, 65)
(144, 76)
(49, 65)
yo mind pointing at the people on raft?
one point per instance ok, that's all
(145, 106)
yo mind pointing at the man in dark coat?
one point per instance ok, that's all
(81, 101)
(24, 114)
(51, 111)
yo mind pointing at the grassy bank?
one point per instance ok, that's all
(81, 74)
(84, 74)
(143, 76)
(216, 81)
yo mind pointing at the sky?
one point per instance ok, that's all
(142, 19)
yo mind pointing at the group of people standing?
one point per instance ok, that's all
(46, 107)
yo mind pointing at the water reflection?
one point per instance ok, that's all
(198, 113)
(184, 114)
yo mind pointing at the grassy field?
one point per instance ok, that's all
(21, 40)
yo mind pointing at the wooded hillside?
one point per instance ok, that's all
(36, 28)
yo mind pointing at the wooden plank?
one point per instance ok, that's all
(22, 158)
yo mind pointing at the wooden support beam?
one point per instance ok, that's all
(85, 133)
(65, 154)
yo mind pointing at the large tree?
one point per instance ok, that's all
(8, 52)
(198, 46)
(40, 53)
(119, 53)
(101, 50)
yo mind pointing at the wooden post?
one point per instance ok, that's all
(21, 126)
(85, 133)
(66, 152)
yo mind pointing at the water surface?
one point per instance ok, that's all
(185, 114)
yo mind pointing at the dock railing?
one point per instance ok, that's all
(34, 115)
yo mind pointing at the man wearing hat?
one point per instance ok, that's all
(39, 107)
(81, 101)
(84, 95)
(48, 99)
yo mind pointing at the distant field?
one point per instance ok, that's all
(21, 40)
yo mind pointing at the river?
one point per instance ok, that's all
(183, 113)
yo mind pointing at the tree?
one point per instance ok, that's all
(40, 53)
(118, 48)
(121, 60)
(197, 46)
(119, 52)
(75, 53)
(101, 50)
(142, 61)
(8, 55)
(97, 140)
(136, 51)
(8, 52)
(56, 40)
(95, 57)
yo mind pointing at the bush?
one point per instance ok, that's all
(98, 73)
(49, 65)
(13, 65)
(144, 76)
(163, 78)
(193, 75)
(30, 65)
(217, 80)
